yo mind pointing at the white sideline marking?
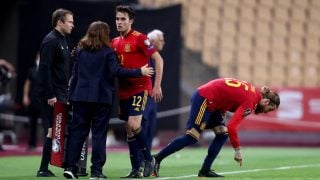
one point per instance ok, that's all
(250, 170)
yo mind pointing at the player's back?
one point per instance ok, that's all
(227, 94)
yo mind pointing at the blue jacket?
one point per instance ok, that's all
(93, 76)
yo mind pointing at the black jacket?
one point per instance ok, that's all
(53, 73)
(93, 76)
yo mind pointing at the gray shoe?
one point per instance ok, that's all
(148, 167)
(156, 167)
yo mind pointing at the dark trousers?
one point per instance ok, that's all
(33, 113)
(85, 116)
(47, 113)
(149, 121)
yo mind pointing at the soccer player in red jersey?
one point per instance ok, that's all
(135, 50)
(209, 104)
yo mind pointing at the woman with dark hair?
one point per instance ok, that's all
(91, 94)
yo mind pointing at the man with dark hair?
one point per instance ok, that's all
(134, 50)
(209, 103)
(52, 77)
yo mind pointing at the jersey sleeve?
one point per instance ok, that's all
(145, 45)
(243, 111)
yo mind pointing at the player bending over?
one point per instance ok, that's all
(208, 105)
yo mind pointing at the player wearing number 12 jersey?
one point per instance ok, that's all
(209, 104)
(134, 50)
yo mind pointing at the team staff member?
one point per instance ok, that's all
(149, 118)
(134, 50)
(149, 122)
(53, 77)
(209, 102)
(92, 95)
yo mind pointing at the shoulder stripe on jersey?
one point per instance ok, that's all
(136, 33)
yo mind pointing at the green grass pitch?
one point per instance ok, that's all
(259, 163)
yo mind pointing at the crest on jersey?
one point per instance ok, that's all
(247, 112)
(147, 42)
(127, 48)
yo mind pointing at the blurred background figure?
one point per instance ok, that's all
(31, 104)
(7, 72)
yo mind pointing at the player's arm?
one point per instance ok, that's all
(117, 70)
(233, 132)
(157, 91)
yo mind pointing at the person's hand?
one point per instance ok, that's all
(52, 101)
(157, 94)
(147, 71)
(26, 101)
(238, 156)
(74, 52)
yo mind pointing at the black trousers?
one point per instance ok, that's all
(88, 116)
(47, 113)
(34, 113)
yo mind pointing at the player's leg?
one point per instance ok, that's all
(145, 124)
(221, 133)
(135, 154)
(134, 123)
(47, 121)
(176, 145)
(125, 106)
(153, 122)
(195, 124)
(146, 120)
(148, 124)
(142, 143)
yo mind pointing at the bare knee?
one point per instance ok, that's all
(134, 122)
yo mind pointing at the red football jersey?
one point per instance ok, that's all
(227, 94)
(134, 51)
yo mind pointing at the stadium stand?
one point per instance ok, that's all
(282, 33)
